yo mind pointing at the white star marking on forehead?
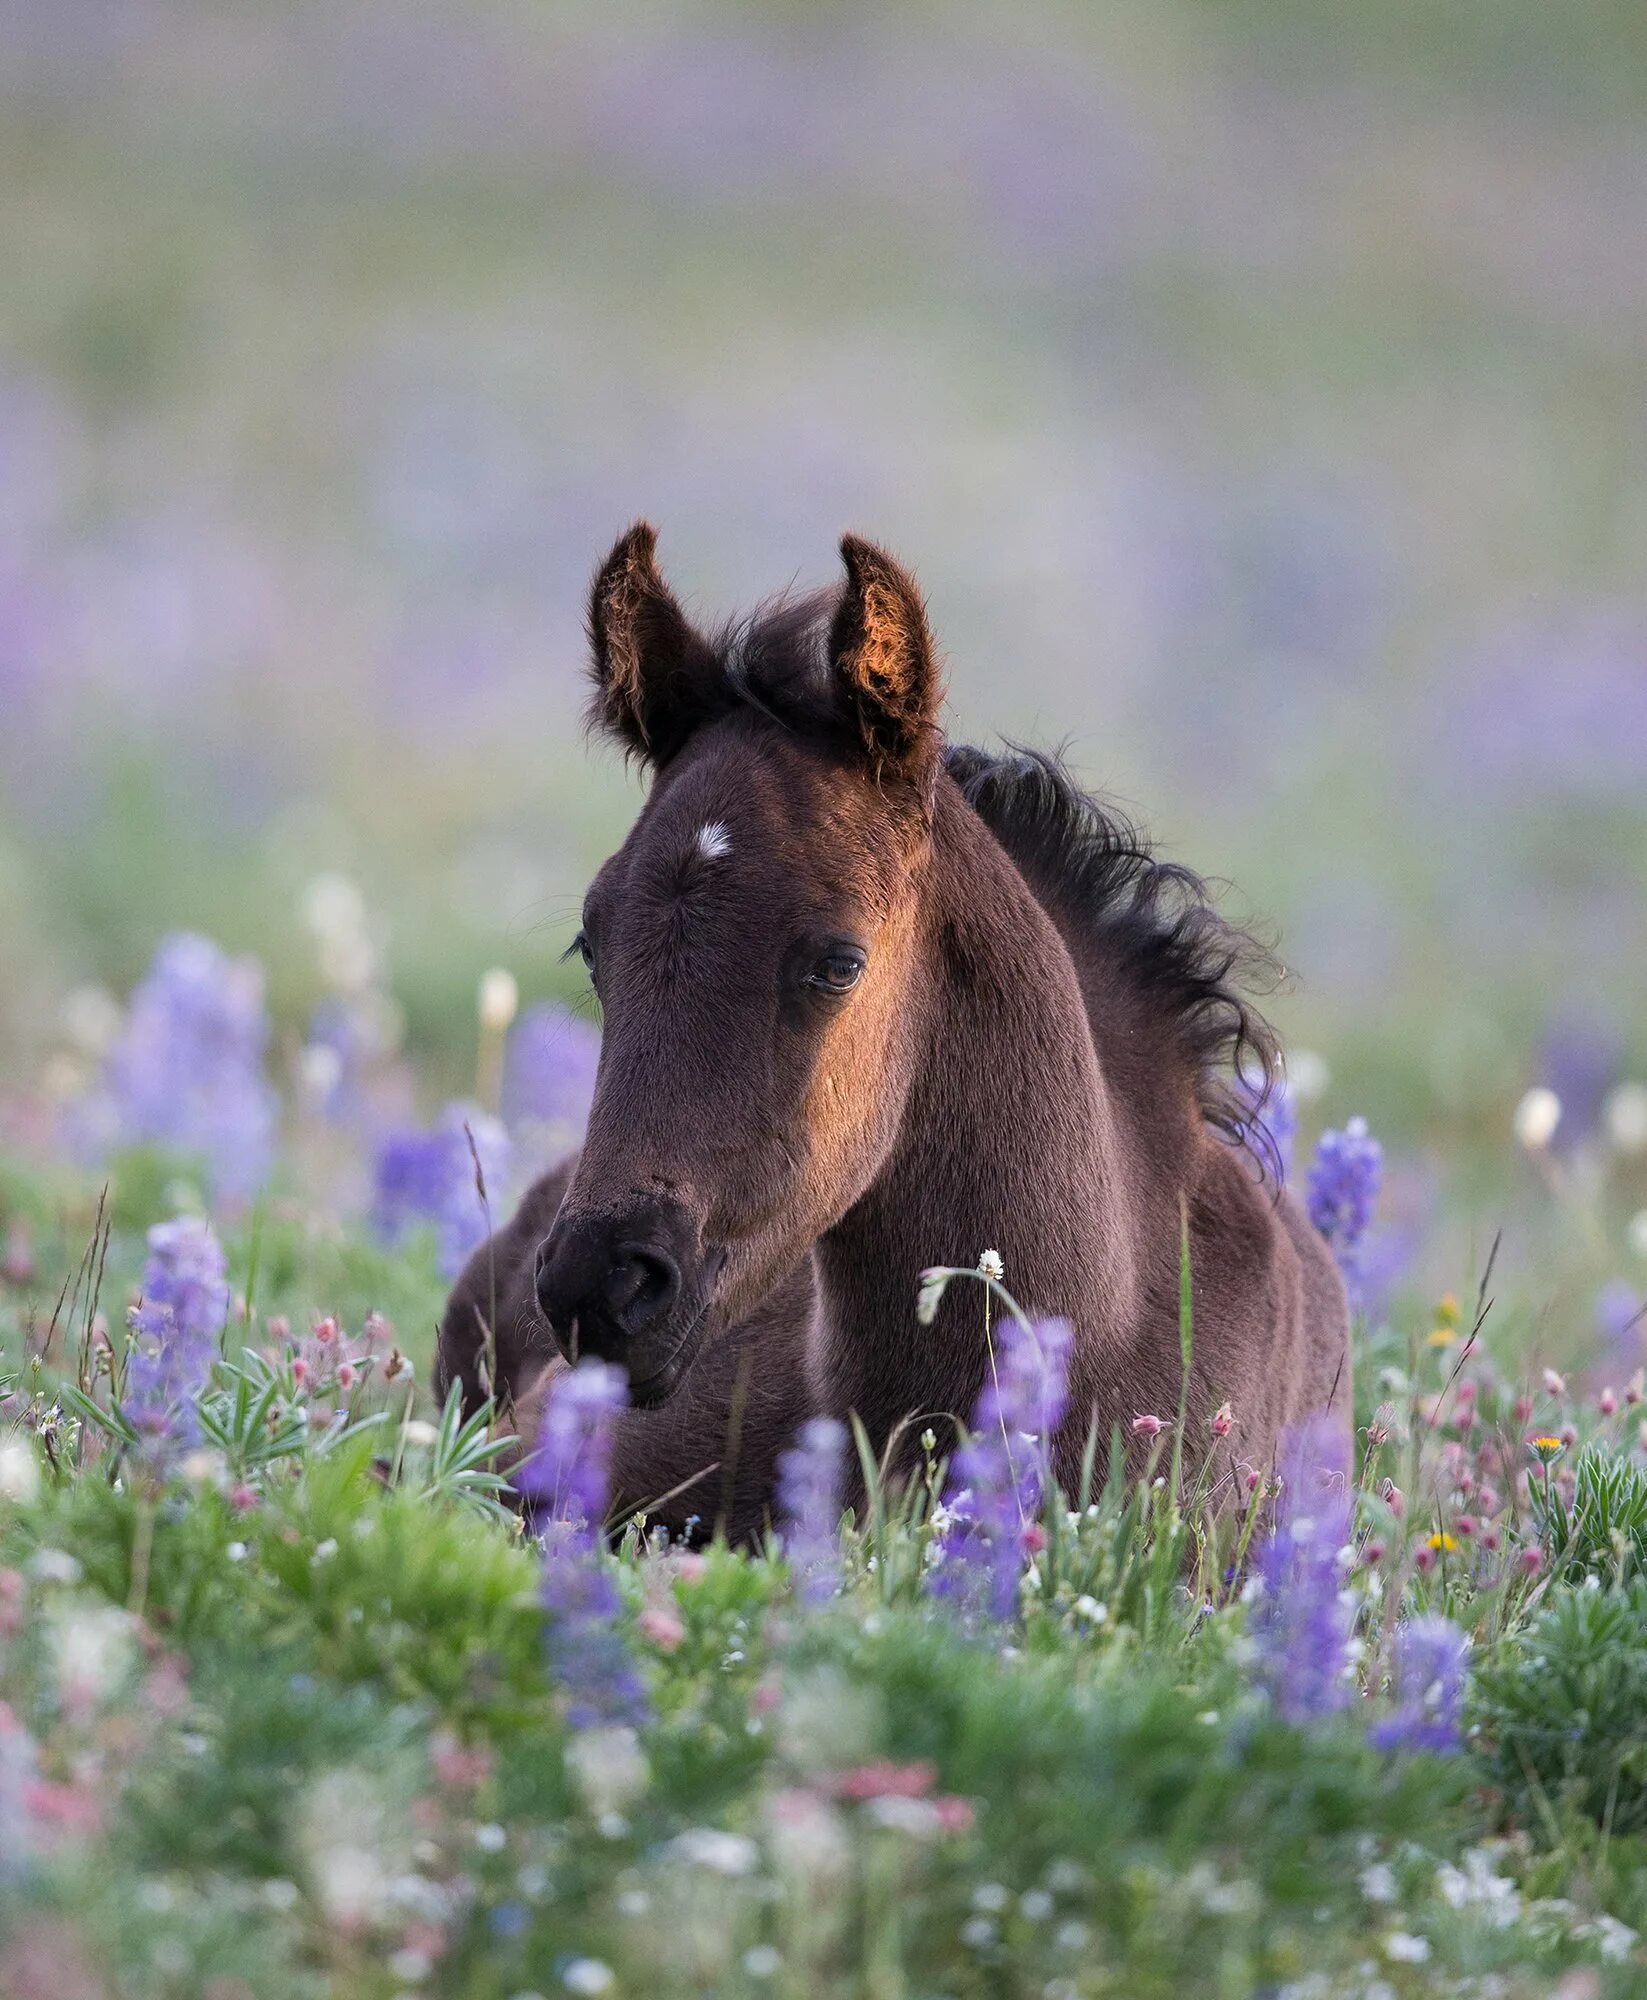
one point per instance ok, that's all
(714, 841)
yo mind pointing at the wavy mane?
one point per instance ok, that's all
(1156, 917)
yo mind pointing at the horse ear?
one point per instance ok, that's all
(885, 664)
(652, 668)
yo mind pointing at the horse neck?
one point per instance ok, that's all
(1011, 1141)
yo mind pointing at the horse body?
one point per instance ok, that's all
(873, 1005)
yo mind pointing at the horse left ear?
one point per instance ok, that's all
(885, 664)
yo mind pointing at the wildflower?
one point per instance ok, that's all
(665, 1628)
(1302, 1622)
(1000, 1472)
(19, 1471)
(588, 1976)
(1536, 1118)
(1546, 1449)
(566, 1483)
(1531, 1560)
(809, 1506)
(990, 1265)
(17, 1259)
(1268, 1122)
(431, 1177)
(930, 1296)
(1442, 1336)
(1145, 1425)
(1222, 1421)
(497, 1000)
(609, 1768)
(1442, 1542)
(1342, 1192)
(187, 1070)
(174, 1335)
(1430, 1653)
(1554, 1384)
(1625, 1116)
(719, 1853)
(549, 1070)
(1424, 1558)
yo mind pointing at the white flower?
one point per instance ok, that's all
(419, 1431)
(991, 1266)
(762, 1961)
(721, 1853)
(990, 1896)
(1307, 1075)
(498, 1000)
(588, 1975)
(1625, 1113)
(1536, 1118)
(1378, 1882)
(490, 1838)
(19, 1470)
(92, 1650)
(1089, 1609)
(1406, 1949)
(931, 1293)
(919, 1818)
(609, 1768)
(319, 1070)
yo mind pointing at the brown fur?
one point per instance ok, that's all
(1034, 1059)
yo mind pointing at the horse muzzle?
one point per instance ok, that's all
(635, 1289)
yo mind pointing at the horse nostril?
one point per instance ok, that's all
(641, 1286)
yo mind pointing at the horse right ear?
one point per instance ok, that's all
(653, 670)
(885, 664)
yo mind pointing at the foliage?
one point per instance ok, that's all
(1563, 1711)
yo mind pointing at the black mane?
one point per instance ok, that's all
(1157, 916)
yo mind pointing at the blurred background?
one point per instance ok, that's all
(1258, 389)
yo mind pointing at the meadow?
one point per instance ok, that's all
(1258, 392)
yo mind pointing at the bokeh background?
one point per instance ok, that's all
(1258, 389)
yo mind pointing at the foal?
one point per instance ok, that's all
(871, 1004)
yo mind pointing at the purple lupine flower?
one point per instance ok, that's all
(1303, 1621)
(1342, 1192)
(1621, 1318)
(1581, 1057)
(430, 1177)
(809, 1507)
(1269, 1123)
(187, 1071)
(17, 1775)
(1001, 1470)
(549, 1081)
(1430, 1655)
(567, 1484)
(174, 1335)
(188, 1273)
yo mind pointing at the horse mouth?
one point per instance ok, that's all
(647, 1392)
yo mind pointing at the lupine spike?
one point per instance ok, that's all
(1001, 1471)
(809, 1507)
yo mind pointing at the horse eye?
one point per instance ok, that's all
(836, 972)
(584, 949)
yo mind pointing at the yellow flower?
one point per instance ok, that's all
(1443, 1542)
(1442, 1336)
(1546, 1449)
(1447, 1311)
